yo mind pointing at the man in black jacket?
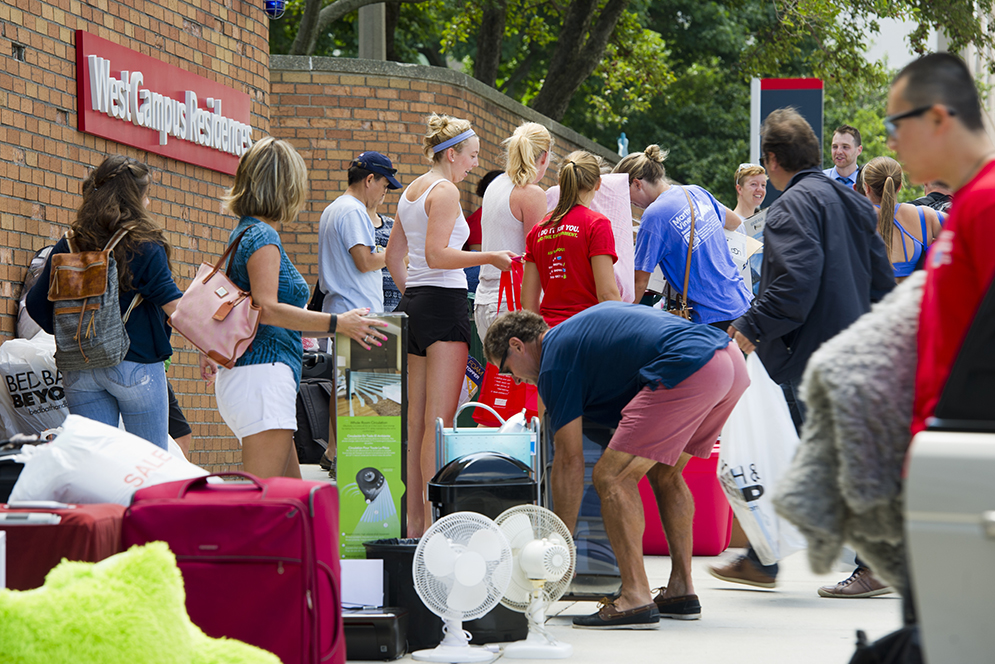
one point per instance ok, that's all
(823, 266)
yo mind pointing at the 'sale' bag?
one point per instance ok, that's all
(215, 315)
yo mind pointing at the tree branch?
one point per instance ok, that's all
(316, 20)
(578, 52)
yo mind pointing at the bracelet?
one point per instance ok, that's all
(331, 323)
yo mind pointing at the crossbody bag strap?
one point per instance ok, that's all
(232, 248)
(687, 267)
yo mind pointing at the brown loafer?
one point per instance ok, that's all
(743, 570)
(684, 607)
(608, 617)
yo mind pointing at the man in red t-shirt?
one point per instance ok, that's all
(935, 125)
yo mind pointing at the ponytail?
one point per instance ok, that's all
(525, 147)
(580, 172)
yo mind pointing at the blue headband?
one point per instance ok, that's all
(444, 145)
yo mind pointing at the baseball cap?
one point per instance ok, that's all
(377, 163)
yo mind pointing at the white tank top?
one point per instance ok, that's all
(499, 230)
(414, 221)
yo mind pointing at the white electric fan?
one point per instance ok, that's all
(543, 560)
(461, 569)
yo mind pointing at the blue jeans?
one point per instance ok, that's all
(135, 392)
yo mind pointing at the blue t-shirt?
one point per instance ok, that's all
(595, 362)
(345, 224)
(715, 288)
(272, 344)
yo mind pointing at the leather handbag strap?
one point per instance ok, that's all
(232, 248)
(687, 267)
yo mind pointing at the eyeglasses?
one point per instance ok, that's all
(890, 121)
(501, 368)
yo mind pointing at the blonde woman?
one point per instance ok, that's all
(751, 189)
(513, 205)
(430, 229)
(917, 226)
(716, 290)
(257, 397)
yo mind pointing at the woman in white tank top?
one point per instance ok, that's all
(430, 230)
(513, 204)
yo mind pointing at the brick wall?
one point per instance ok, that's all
(332, 109)
(44, 159)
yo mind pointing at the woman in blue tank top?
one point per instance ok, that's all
(917, 226)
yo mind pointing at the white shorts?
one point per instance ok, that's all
(257, 398)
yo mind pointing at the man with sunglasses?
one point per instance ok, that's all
(823, 265)
(622, 366)
(935, 126)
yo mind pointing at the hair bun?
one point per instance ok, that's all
(654, 153)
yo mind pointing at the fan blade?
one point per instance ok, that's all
(487, 544)
(518, 530)
(440, 559)
(470, 568)
(466, 598)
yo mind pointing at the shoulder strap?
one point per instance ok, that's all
(687, 266)
(135, 301)
(71, 241)
(922, 223)
(117, 237)
(232, 248)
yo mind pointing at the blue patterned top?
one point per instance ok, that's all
(391, 295)
(272, 344)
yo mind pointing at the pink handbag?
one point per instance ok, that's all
(217, 317)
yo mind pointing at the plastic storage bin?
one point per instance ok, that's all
(712, 527)
(424, 628)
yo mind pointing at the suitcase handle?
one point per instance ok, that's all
(198, 482)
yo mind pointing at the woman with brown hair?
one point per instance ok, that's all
(115, 196)
(430, 229)
(917, 226)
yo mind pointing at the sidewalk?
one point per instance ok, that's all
(739, 625)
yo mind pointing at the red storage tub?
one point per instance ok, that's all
(712, 526)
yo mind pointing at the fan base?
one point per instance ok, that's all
(454, 654)
(526, 650)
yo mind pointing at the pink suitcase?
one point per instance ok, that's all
(259, 560)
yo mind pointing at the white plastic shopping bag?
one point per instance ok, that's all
(758, 443)
(91, 462)
(32, 399)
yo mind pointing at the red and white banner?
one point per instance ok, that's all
(136, 100)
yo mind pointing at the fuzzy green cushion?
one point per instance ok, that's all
(128, 608)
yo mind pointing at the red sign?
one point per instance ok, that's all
(136, 100)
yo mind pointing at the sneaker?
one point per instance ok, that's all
(743, 570)
(860, 584)
(685, 607)
(608, 617)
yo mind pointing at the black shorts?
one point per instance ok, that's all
(178, 425)
(435, 314)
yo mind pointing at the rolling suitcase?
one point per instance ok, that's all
(88, 533)
(259, 559)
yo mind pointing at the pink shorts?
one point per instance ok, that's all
(660, 424)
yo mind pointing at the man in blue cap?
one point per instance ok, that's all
(349, 263)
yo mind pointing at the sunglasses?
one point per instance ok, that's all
(501, 367)
(890, 121)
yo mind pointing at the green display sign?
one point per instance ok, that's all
(371, 426)
(369, 478)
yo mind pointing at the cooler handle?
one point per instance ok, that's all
(198, 482)
(475, 404)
